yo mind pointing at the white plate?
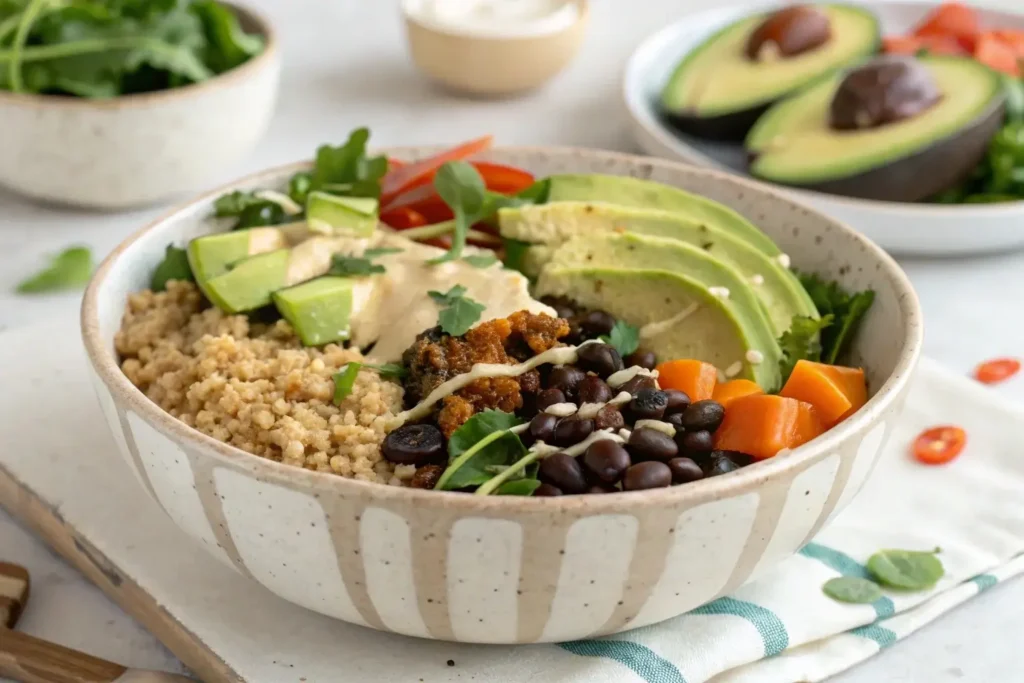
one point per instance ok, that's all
(901, 228)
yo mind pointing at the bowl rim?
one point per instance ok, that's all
(644, 115)
(262, 25)
(746, 479)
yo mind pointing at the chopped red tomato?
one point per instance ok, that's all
(995, 54)
(939, 445)
(997, 370)
(403, 218)
(419, 172)
(953, 20)
(911, 45)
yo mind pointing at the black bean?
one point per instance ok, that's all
(609, 417)
(706, 414)
(645, 359)
(677, 401)
(719, 463)
(647, 475)
(606, 460)
(566, 378)
(414, 445)
(650, 444)
(571, 431)
(598, 488)
(695, 443)
(601, 359)
(676, 420)
(563, 306)
(648, 404)
(549, 397)
(593, 389)
(547, 490)
(426, 477)
(575, 336)
(685, 470)
(595, 323)
(637, 383)
(564, 471)
(542, 427)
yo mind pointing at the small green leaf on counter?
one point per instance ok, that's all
(852, 589)
(458, 312)
(482, 442)
(481, 260)
(69, 269)
(462, 188)
(388, 370)
(801, 342)
(906, 569)
(847, 311)
(344, 380)
(624, 337)
(175, 266)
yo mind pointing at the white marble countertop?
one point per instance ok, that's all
(345, 65)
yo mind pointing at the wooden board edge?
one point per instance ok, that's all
(48, 524)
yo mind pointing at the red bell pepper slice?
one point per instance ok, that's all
(419, 172)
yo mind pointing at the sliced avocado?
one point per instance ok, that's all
(551, 224)
(214, 255)
(796, 144)
(334, 215)
(718, 90)
(646, 194)
(318, 310)
(250, 283)
(657, 253)
(677, 316)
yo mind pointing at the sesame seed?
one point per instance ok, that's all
(783, 260)
(754, 356)
(757, 279)
(720, 292)
(734, 369)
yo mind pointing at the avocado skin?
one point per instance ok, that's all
(933, 169)
(731, 127)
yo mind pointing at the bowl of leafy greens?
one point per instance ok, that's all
(116, 104)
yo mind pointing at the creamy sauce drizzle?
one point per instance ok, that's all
(617, 379)
(654, 329)
(590, 410)
(657, 425)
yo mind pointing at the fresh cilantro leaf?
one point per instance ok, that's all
(624, 337)
(355, 266)
(69, 269)
(234, 203)
(347, 170)
(847, 311)
(446, 298)
(801, 342)
(481, 260)
(389, 370)
(462, 188)
(482, 442)
(175, 266)
(344, 380)
(458, 313)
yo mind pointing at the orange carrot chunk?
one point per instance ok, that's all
(761, 425)
(696, 378)
(727, 392)
(834, 391)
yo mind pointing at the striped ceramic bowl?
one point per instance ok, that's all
(501, 569)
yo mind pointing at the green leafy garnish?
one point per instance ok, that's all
(801, 342)
(906, 569)
(175, 266)
(234, 203)
(69, 269)
(852, 589)
(847, 311)
(624, 337)
(388, 370)
(462, 188)
(228, 45)
(344, 380)
(481, 260)
(481, 443)
(518, 487)
(458, 312)
(299, 187)
(999, 177)
(357, 266)
(346, 170)
(251, 211)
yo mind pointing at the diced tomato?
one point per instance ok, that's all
(939, 445)
(911, 45)
(418, 172)
(995, 54)
(953, 20)
(998, 370)
(503, 179)
(403, 218)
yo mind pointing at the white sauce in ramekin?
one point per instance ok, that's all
(494, 18)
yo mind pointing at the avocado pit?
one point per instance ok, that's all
(789, 32)
(883, 91)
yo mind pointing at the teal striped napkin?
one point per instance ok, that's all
(782, 628)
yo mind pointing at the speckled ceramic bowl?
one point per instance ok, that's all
(138, 149)
(458, 567)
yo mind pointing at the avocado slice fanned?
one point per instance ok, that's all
(905, 160)
(718, 92)
(677, 316)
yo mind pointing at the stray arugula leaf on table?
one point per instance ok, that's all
(852, 589)
(847, 311)
(67, 270)
(906, 569)
(458, 312)
(624, 337)
(175, 266)
(482, 443)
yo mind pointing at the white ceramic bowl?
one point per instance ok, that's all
(138, 149)
(903, 229)
(495, 569)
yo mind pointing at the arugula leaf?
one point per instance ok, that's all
(462, 188)
(346, 169)
(481, 260)
(175, 266)
(344, 380)
(69, 269)
(801, 342)
(624, 337)
(482, 442)
(846, 309)
(228, 45)
(356, 266)
(458, 313)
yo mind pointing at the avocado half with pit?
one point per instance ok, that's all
(889, 147)
(722, 86)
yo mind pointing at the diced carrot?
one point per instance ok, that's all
(911, 45)
(834, 391)
(995, 54)
(955, 20)
(403, 218)
(761, 425)
(727, 392)
(695, 378)
(417, 172)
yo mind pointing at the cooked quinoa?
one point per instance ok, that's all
(255, 386)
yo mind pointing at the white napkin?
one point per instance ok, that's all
(783, 629)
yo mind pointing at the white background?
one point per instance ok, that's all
(345, 66)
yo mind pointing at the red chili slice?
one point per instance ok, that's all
(997, 370)
(939, 445)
